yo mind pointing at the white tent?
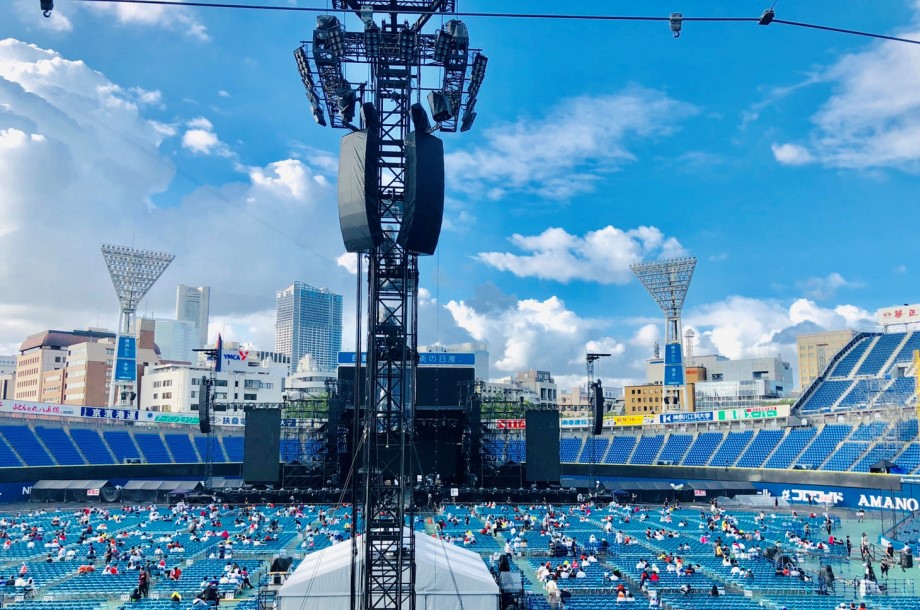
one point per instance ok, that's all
(445, 574)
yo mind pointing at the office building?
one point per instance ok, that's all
(309, 321)
(173, 388)
(192, 305)
(41, 360)
(177, 339)
(815, 350)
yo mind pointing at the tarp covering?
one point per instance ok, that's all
(447, 578)
(156, 491)
(85, 490)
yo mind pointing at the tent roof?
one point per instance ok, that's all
(83, 484)
(442, 569)
(162, 485)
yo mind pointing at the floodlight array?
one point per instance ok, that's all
(313, 96)
(134, 272)
(667, 281)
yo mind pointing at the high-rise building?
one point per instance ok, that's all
(816, 350)
(176, 339)
(308, 320)
(192, 306)
(42, 358)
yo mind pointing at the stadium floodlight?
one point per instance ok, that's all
(328, 37)
(441, 107)
(453, 37)
(477, 74)
(667, 281)
(133, 273)
(347, 99)
(408, 44)
(468, 119)
(372, 41)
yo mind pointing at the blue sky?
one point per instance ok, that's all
(786, 160)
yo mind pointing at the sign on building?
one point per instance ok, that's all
(905, 314)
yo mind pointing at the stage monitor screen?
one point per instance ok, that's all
(542, 446)
(262, 446)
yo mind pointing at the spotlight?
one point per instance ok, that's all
(441, 108)
(676, 21)
(407, 44)
(467, 123)
(419, 118)
(767, 17)
(454, 36)
(372, 41)
(477, 74)
(328, 35)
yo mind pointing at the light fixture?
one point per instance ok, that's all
(477, 74)
(329, 36)
(469, 116)
(441, 107)
(676, 21)
(372, 41)
(767, 17)
(348, 97)
(407, 44)
(454, 36)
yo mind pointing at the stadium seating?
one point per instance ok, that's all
(595, 448)
(201, 443)
(909, 459)
(844, 456)
(880, 354)
(870, 431)
(152, 446)
(824, 445)
(791, 447)
(7, 457)
(91, 444)
(845, 365)
(732, 447)
(620, 450)
(569, 449)
(760, 448)
(122, 444)
(826, 395)
(181, 448)
(61, 447)
(26, 445)
(702, 448)
(233, 445)
(675, 448)
(881, 451)
(647, 450)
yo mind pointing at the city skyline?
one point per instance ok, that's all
(644, 147)
(308, 320)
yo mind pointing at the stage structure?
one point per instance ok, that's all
(391, 202)
(307, 451)
(668, 281)
(133, 273)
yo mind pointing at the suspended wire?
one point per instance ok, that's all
(552, 16)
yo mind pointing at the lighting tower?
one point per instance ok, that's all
(590, 359)
(395, 54)
(133, 273)
(667, 281)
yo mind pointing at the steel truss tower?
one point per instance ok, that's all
(396, 54)
(133, 273)
(668, 281)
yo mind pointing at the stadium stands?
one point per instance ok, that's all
(61, 447)
(760, 448)
(702, 448)
(620, 449)
(731, 448)
(647, 449)
(25, 443)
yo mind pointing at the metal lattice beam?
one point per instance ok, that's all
(667, 281)
(134, 272)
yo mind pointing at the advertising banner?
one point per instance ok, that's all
(904, 314)
(510, 424)
(425, 359)
(684, 418)
(125, 369)
(127, 348)
(38, 408)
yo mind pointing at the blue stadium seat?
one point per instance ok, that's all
(826, 394)
(732, 447)
(845, 365)
(824, 445)
(26, 445)
(92, 445)
(701, 450)
(620, 449)
(59, 444)
(909, 460)
(870, 431)
(569, 449)
(675, 448)
(881, 451)
(7, 457)
(906, 353)
(880, 354)
(181, 448)
(290, 449)
(791, 447)
(760, 448)
(152, 446)
(595, 448)
(121, 444)
(844, 456)
(647, 450)
(201, 442)
(233, 445)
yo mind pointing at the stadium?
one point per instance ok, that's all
(793, 475)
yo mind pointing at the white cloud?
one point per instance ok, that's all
(348, 262)
(565, 152)
(601, 256)
(256, 328)
(791, 154)
(148, 15)
(200, 139)
(223, 93)
(101, 167)
(532, 334)
(872, 118)
(825, 287)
